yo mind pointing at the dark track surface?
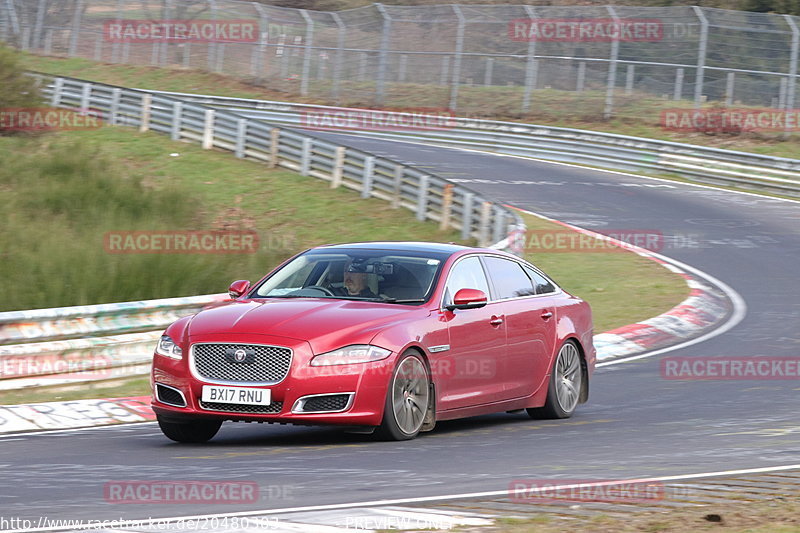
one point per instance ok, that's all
(636, 424)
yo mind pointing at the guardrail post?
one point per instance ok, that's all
(466, 222)
(366, 183)
(386, 31)
(338, 166)
(208, 130)
(678, 91)
(241, 137)
(397, 188)
(499, 224)
(447, 206)
(86, 94)
(307, 54)
(305, 156)
(58, 86)
(77, 15)
(147, 102)
(113, 116)
(531, 67)
(274, 146)
(456, 79)
(701, 56)
(422, 198)
(612, 70)
(483, 227)
(37, 28)
(177, 117)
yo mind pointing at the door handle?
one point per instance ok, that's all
(547, 315)
(496, 320)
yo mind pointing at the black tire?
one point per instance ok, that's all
(564, 388)
(407, 399)
(197, 431)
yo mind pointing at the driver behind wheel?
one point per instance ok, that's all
(356, 281)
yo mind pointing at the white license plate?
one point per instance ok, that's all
(237, 395)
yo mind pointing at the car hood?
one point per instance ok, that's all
(325, 324)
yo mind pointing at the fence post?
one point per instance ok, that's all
(164, 48)
(211, 48)
(307, 53)
(581, 81)
(456, 79)
(337, 64)
(447, 206)
(37, 28)
(115, 46)
(678, 91)
(790, 89)
(629, 80)
(487, 73)
(366, 182)
(701, 56)
(77, 16)
(398, 184)
(729, 84)
(338, 167)
(241, 137)
(13, 21)
(531, 67)
(380, 81)
(147, 101)
(208, 130)
(177, 112)
(305, 156)
(466, 214)
(258, 53)
(422, 197)
(612, 70)
(113, 116)
(274, 146)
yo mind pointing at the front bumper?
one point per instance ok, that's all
(368, 383)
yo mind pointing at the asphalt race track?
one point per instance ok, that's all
(636, 424)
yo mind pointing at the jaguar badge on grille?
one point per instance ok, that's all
(240, 355)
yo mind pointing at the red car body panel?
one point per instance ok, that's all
(498, 356)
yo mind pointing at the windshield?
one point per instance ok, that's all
(358, 274)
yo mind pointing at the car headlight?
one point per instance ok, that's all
(356, 353)
(168, 348)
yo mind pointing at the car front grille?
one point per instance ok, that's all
(329, 402)
(273, 408)
(267, 365)
(169, 395)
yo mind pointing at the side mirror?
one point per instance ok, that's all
(238, 288)
(468, 299)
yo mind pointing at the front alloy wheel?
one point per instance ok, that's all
(566, 381)
(406, 400)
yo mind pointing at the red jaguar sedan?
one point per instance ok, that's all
(377, 336)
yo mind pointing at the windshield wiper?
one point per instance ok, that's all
(400, 301)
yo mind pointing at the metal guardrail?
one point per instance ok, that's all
(620, 152)
(87, 343)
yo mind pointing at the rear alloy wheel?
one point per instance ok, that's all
(406, 400)
(564, 390)
(197, 431)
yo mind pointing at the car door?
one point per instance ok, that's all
(530, 326)
(470, 368)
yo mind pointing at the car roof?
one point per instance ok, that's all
(401, 247)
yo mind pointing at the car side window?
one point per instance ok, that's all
(542, 284)
(508, 278)
(466, 274)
